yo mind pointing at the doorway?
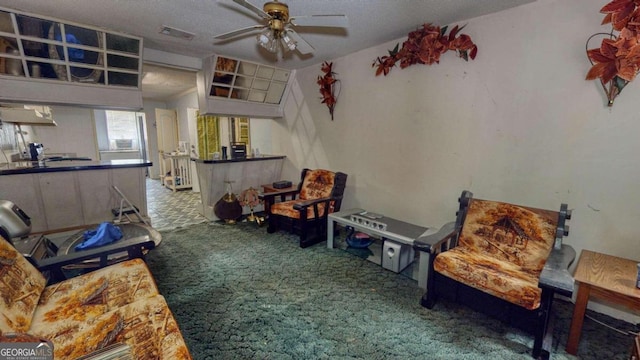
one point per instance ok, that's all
(167, 134)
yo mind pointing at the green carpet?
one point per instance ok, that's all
(240, 293)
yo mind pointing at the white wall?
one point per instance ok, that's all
(261, 137)
(75, 132)
(102, 131)
(182, 104)
(518, 124)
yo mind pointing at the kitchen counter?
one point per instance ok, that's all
(244, 173)
(248, 158)
(72, 194)
(32, 167)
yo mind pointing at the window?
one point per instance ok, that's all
(240, 132)
(123, 130)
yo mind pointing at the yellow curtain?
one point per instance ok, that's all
(208, 135)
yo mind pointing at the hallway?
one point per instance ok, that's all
(170, 210)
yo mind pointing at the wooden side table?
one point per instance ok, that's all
(268, 188)
(603, 277)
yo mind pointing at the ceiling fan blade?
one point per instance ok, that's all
(253, 8)
(301, 44)
(320, 20)
(237, 32)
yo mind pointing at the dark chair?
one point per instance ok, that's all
(505, 260)
(304, 211)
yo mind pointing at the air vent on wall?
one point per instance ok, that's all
(171, 31)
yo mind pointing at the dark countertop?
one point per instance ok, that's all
(29, 167)
(248, 158)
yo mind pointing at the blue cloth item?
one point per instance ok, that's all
(105, 234)
(74, 53)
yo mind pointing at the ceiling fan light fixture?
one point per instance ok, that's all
(265, 37)
(278, 29)
(273, 46)
(268, 42)
(288, 42)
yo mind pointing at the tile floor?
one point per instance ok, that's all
(169, 210)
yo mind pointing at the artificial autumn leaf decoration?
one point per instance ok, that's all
(328, 87)
(424, 46)
(617, 61)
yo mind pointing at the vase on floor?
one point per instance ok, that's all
(228, 208)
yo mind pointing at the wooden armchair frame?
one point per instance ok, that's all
(554, 278)
(54, 266)
(310, 230)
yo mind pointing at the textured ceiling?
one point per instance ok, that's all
(162, 83)
(371, 22)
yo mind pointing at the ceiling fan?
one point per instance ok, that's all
(278, 26)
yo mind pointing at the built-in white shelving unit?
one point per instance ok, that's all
(55, 61)
(238, 87)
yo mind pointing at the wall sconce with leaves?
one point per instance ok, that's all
(617, 61)
(424, 46)
(328, 84)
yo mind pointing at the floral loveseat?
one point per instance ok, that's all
(79, 316)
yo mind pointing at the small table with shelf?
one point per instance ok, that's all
(388, 230)
(604, 277)
(268, 188)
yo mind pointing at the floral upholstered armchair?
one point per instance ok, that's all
(502, 259)
(304, 211)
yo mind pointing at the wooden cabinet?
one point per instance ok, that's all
(24, 191)
(72, 199)
(46, 53)
(62, 206)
